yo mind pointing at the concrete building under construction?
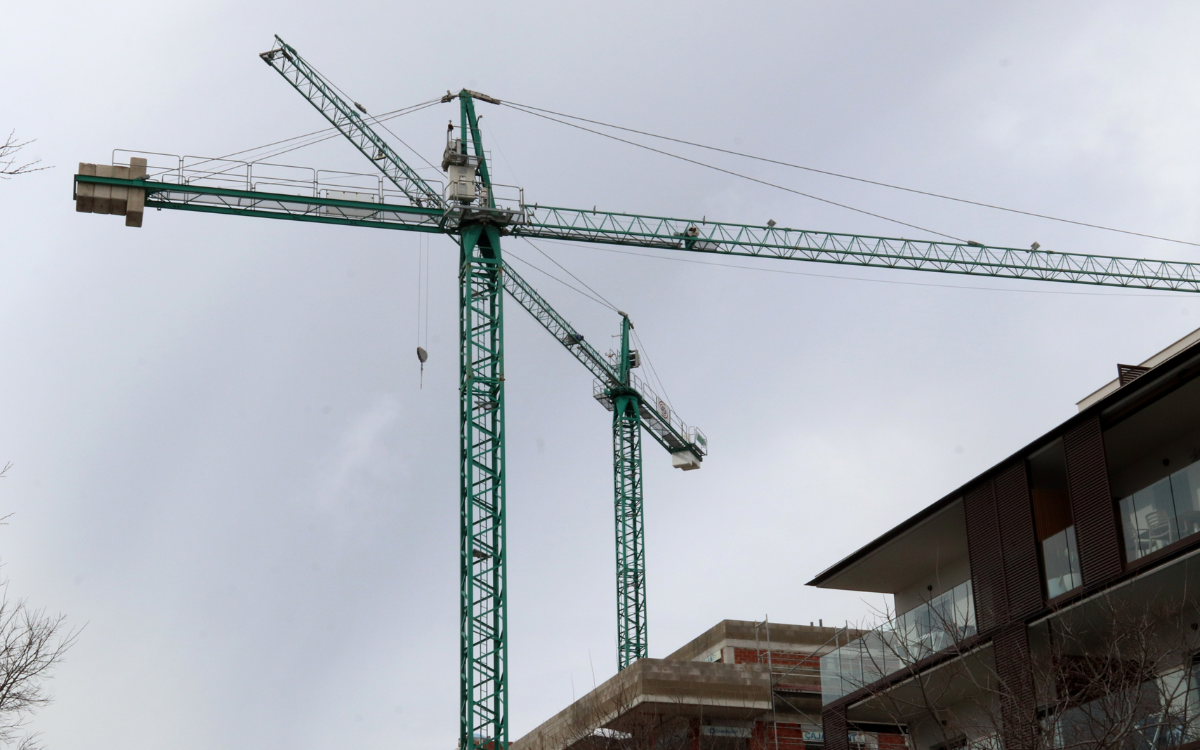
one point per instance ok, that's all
(740, 685)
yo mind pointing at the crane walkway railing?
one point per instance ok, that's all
(659, 419)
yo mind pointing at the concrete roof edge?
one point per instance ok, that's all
(1154, 360)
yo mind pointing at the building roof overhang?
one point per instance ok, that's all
(850, 572)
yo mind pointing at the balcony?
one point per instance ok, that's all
(938, 625)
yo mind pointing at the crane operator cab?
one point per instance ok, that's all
(460, 171)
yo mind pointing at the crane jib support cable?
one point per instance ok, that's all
(530, 109)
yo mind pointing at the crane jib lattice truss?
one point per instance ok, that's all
(478, 213)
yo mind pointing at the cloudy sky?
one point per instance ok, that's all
(224, 468)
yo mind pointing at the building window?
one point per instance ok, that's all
(1162, 514)
(1053, 519)
(1061, 560)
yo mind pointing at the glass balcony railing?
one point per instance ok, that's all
(931, 628)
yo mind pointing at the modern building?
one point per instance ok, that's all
(738, 686)
(1051, 601)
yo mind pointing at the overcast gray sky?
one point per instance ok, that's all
(223, 464)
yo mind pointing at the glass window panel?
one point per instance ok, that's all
(1061, 562)
(1185, 486)
(1155, 507)
(1149, 519)
(1073, 559)
(1134, 543)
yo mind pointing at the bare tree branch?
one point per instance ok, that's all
(32, 643)
(9, 166)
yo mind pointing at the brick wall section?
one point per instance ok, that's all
(987, 557)
(1014, 511)
(837, 733)
(1017, 706)
(1096, 531)
(785, 659)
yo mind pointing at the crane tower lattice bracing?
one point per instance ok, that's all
(632, 638)
(484, 648)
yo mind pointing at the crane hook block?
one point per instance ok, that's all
(422, 355)
(120, 200)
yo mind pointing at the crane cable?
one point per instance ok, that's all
(662, 387)
(857, 179)
(422, 302)
(598, 297)
(324, 134)
(714, 167)
(577, 290)
(641, 347)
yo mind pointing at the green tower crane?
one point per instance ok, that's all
(473, 210)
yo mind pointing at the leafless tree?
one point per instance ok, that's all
(1112, 673)
(32, 643)
(9, 164)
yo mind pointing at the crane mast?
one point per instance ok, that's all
(630, 518)
(470, 210)
(483, 581)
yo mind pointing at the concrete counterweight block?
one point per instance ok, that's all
(136, 204)
(120, 200)
(85, 193)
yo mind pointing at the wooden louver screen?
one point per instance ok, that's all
(987, 558)
(1022, 574)
(1091, 503)
(837, 732)
(1017, 707)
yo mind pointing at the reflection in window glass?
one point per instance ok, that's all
(1062, 563)
(1185, 487)
(1149, 520)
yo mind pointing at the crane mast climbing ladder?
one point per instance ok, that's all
(479, 213)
